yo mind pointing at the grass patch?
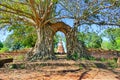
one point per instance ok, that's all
(20, 57)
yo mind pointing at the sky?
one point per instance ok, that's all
(3, 34)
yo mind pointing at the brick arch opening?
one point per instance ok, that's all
(64, 28)
(60, 43)
(60, 26)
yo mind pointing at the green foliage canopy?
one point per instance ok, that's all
(113, 34)
(90, 39)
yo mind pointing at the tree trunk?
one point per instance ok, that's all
(44, 45)
(74, 46)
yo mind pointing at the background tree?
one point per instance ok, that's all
(11, 44)
(1, 45)
(112, 34)
(90, 39)
(25, 35)
(118, 43)
(93, 40)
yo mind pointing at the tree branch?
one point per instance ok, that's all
(12, 12)
(19, 18)
(47, 11)
(100, 23)
(59, 18)
(23, 3)
(15, 10)
(95, 11)
(36, 14)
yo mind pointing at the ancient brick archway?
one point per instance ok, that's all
(72, 43)
(62, 27)
(44, 47)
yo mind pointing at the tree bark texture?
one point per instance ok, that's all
(44, 45)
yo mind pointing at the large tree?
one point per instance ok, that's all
(37, 13)
(41, 15)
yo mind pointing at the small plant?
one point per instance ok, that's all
(112, 63)
(22, 66)
(80, 67)
(83, 58)
(91, 58)
(75, 56)
(68, 57)
(17, 66)
(13, 66)
(103, 59)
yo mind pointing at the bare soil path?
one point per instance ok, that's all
(93, 74)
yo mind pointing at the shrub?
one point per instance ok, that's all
(4, 49)
(74, 56)
(112, 63)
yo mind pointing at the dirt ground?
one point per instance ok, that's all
(83, 74)
(93, 74)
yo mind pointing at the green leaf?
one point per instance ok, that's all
(54, 1)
